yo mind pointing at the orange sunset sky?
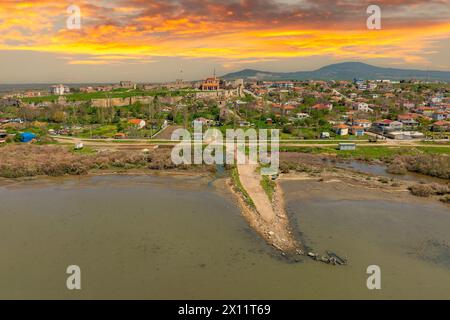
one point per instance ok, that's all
(154, 40)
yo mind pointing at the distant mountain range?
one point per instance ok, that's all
(344, 71)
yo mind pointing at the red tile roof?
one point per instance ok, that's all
(321, 106)
(441, 123)
(341, 126)
(408, 116)
(135, 121)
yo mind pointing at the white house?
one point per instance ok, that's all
(59, 89)
(437, 99)
(139, 123)
(388, 125)
(363, 107)
(302, 115)
(366, 124)
(203, 122)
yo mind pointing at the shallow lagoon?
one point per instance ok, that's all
(150, 237)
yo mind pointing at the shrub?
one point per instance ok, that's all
(284, 167)
(421, 190)
(432, 165)
(397, 167)
(32, 160)
(440, 189)
(383, 179)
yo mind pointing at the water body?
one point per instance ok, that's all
(408, 239)
(144, 237)
(381, 170)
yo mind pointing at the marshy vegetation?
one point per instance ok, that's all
(435, 165)
(51, 160)
(433, 189)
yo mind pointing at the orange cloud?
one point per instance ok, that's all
(239, 31)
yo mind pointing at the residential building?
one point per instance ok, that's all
(387, 125)
(127, 85)
(426, 111)
(203, 121)
(439, 115)
(138, 123)
(356, 131)
(441, 126)
(365, 124)
(362, 107)
(302, 115)
(341, 129)
(283, 110)
(323, 106)
(408, 119)
(59, 89)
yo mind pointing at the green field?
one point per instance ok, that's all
(119, 93)
(368, 153)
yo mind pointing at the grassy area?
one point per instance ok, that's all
(101, 131)
(85, 150)
(301, 149)
(435, 150)
(288, 136)
(383, 152)
(268, 186)
(82, 96)
(369, 153)
(240, 188)
(335, 142)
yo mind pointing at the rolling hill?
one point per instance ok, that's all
(344, 71)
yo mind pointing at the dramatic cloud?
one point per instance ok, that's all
(233, 32)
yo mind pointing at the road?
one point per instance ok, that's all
(146, 143)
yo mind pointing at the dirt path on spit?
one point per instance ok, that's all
(268, 218)
(251, 181)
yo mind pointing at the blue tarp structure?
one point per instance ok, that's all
(27, 136)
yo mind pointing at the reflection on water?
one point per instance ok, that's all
(163, 237)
